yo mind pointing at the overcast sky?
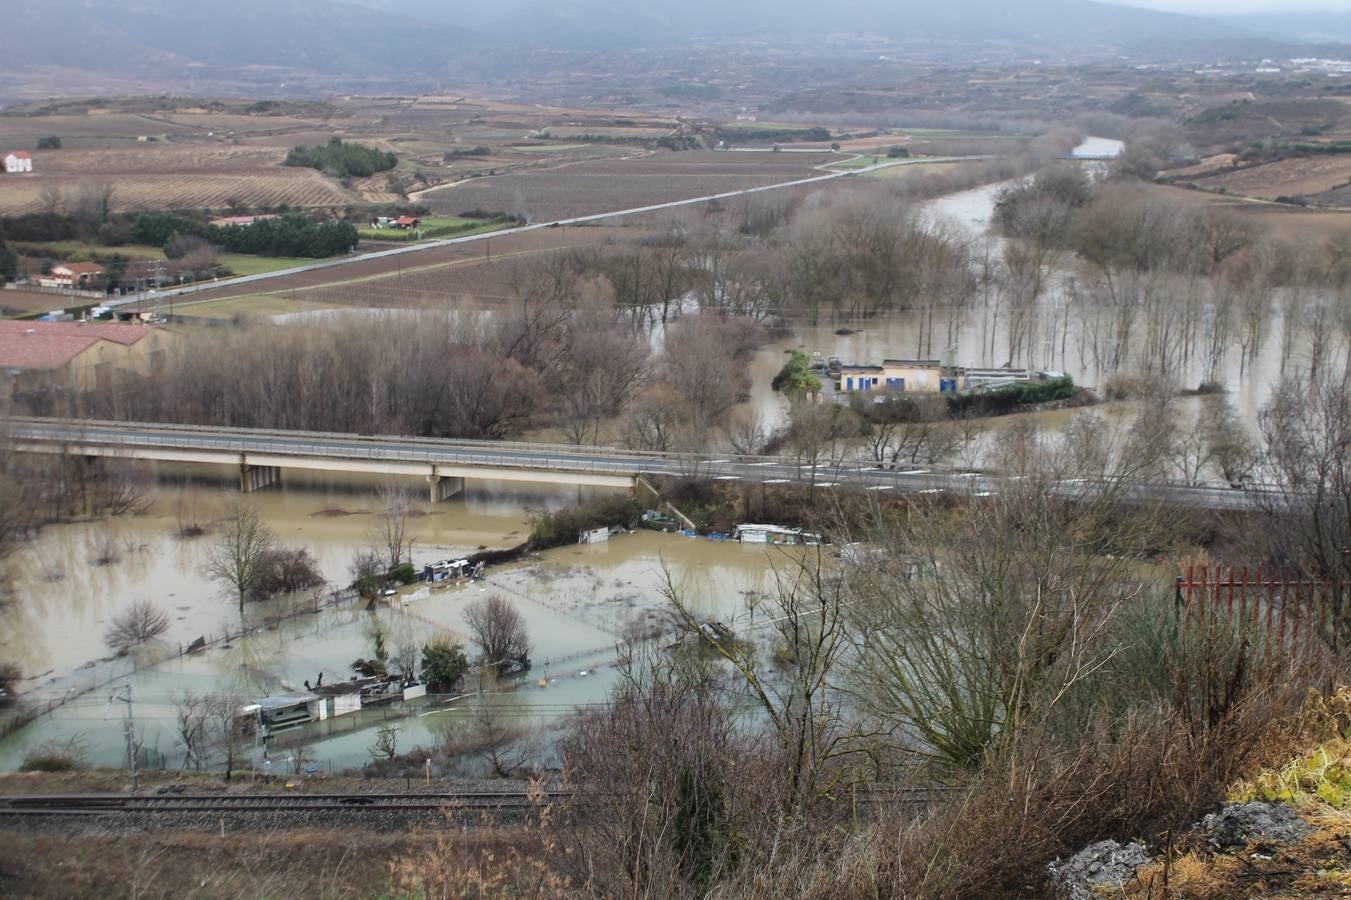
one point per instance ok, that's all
(1220, 7)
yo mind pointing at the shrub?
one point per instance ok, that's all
(443, 665)
(283, 571)
(69, 755)
(342, 160)
(1005, 400)
(558, 527)
(141, 622)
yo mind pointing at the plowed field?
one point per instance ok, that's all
(605, 185)
(168, 177)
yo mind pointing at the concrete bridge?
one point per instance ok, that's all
(445, 464)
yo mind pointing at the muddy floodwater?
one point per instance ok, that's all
(579, 602)
(981, 339)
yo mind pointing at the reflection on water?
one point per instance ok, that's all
(578, 601)
(1064, 339)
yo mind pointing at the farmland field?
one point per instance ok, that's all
(913, 169)
(548, 148)
(599, 186)
(166, 176)
(1285, 178)
(1289, 223)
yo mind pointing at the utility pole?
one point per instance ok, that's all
(124, 694)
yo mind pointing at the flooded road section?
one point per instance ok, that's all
(578, 602)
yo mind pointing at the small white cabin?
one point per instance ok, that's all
(18, 163)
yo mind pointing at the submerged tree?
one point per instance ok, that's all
(498, 628)
(238, 557)
(134, 626)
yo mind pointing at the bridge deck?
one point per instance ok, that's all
(518, 461)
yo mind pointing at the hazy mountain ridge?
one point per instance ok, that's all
(341, 45)
(318, 35)
(1312, 27)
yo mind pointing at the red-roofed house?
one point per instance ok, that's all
(407, 222)
(75, 355)
(70, 275)
(18, 163)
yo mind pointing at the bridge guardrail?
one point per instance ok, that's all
(519, 455)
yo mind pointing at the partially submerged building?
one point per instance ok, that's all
(895, 375)
(927, 376)
(773, 534)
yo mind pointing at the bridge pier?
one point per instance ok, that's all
(254, 478)
(443, 487)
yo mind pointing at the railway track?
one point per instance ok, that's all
(57, 805)
(121, 804)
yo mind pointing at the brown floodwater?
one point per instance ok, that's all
(579, 602)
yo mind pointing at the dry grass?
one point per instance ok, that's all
(329, 863)
(1288, 223)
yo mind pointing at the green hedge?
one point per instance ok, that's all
(1005, 400)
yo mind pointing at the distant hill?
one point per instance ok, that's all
(1069, 25)
(170, 35)
(1311, 27)
(291, 47)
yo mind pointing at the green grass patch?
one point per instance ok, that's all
(260, 305)
(548, 148)
(860, 163)
(241, 264)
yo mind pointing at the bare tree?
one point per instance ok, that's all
(706, 360)
(657, 420)
(1232, 451)
(223, 726)
(498, 628)
(1306, 427)
(495, 732)
(191, 711)
(1013, 605)
(389, 530)
(135, 625)
(406, 657)
(237, 559)
(386, 743)
(792, 683)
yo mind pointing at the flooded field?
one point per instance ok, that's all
(578, 603)
(979, 332)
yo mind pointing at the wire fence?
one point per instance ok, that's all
(103, 673)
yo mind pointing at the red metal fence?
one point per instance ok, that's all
(1288, 607)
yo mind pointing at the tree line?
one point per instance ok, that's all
(342, 160)
(287, 235)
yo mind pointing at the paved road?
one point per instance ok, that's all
(563, 458)
(166, 293)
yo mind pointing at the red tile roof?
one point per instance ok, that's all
(80, 268)
(125, 335)
(21, 154)
(41, 351)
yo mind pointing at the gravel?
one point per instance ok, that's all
(1106, 864)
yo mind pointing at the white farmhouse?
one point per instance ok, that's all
(18, 162)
